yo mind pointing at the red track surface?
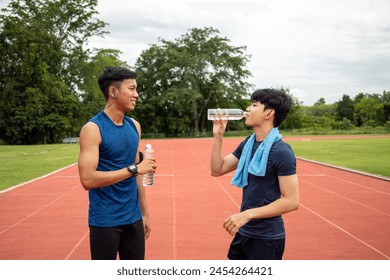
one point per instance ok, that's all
(343, 215)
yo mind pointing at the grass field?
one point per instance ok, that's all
(19, 164)
(370, 155)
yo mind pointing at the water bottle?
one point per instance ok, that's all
(225, 114)
(148, 179)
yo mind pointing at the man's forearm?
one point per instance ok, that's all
(216, 161)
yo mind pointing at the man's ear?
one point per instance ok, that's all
(270, 113)
(112, 91)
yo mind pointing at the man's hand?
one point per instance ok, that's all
(219, 127)
(147, 228)
(235, 221)
(147, 166)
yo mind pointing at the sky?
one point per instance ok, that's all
(316, 48)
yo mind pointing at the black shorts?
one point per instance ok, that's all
(127, 240)
(245, 248)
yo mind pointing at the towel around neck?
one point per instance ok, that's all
(258, 164)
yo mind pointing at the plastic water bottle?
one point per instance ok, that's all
(148, 179)
(225, 114)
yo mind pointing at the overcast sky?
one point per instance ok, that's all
(317, 48)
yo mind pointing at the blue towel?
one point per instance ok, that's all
(258, 165)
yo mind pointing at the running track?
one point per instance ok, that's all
(342, 216)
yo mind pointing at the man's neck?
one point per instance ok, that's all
(115, 115)
(262, 132)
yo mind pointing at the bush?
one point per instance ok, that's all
(344, 124)
(387, 126)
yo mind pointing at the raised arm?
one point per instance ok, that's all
(220, 165)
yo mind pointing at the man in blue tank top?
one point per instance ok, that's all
(265, 167)
(109, 163)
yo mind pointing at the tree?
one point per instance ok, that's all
(369, 112)
(345, 108)
(358, 98)
(320, 101)
(385, 99)
(41, 54)
(294, 117)
(179, 79)
(92, 99)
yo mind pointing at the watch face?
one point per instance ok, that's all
(133, 169)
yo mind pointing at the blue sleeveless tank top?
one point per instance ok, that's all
(116, 204)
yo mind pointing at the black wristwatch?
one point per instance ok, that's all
(133, 169)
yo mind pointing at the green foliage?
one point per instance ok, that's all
(178, 80)
(320, 101)
(42, 53)
(365, 110)
(345, 108)
(345, 124)
(92, 99)
(294, 118)
(369, 111)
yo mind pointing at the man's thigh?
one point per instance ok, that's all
(104, 242)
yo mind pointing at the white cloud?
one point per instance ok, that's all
(322, 48)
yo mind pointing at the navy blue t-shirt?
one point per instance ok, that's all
(262, 190)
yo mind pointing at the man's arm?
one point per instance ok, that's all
(88, 161)
(144, 207)
(289, 201)
(142, 193)
(220, 165)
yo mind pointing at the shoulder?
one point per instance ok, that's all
(89, 127)
(134, 123)
(281, 146)
(281, 154)
(89, 133)
(282, 159)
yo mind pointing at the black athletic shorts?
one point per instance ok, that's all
(127, 240)
(245, 248)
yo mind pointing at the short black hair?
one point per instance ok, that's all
(276, 99)
(114, 74)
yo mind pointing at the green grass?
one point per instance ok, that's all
(369, 155)
(19, 164)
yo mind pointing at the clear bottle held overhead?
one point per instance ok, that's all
(148, 179)
(225, 114)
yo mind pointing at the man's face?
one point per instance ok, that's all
(256, 114)
(128, 94)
